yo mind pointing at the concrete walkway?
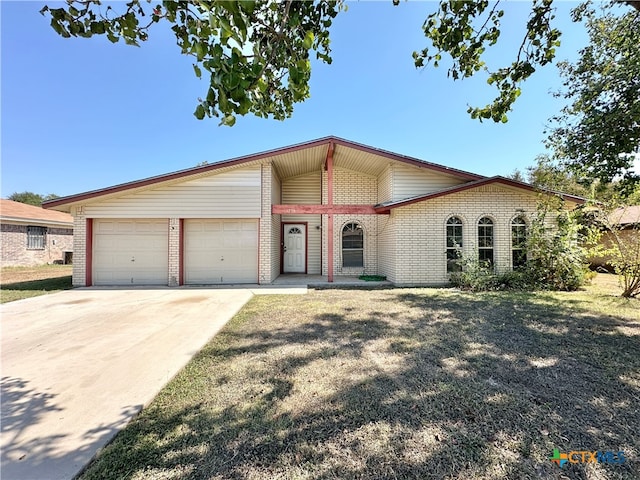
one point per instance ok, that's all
(78, 365)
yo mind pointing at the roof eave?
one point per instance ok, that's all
(386, 208)
(69, 200)
(32, 221)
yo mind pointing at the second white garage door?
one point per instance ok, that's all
(220, 251)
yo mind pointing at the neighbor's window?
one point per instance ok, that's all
(518, 242)
(485, 241)
(36, 238)
(454, 244)
(352, 245)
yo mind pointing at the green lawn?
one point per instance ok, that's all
(398, 383)
(17, 283)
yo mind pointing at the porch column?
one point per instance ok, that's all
(329, 168)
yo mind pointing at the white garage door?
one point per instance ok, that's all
(220, 251)
(130, 252)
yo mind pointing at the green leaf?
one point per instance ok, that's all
(197, 70)
(248, 6)
(199, 113)
(309, 37)
(228, 120)
(200, 50)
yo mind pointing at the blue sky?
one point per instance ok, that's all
(82, 114)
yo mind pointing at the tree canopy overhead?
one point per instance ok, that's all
(256, 53)
(597, 135)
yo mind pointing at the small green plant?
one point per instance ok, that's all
(372, 278)
(473, 275)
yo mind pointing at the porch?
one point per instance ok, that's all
(322, 281)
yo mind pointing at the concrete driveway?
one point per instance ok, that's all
(78, 365)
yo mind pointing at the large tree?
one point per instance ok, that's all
(597, 135)
(256, 52)
(31, 198)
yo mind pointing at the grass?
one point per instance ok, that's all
(398, 383)
(17, 283)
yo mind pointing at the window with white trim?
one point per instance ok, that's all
(485, 241)
(454, 244)
(352, 245)
(518, 242)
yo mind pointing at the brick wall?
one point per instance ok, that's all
(354, 188)
(420, 231)
(265, 245)
(79, 247)
(14, 246)
(174, 251)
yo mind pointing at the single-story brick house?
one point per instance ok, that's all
(34, 236)
(326, 207)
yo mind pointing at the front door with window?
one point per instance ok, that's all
(294, 255)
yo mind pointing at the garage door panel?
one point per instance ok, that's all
(220, 251)
(130, 252)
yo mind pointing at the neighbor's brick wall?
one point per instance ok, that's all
(13, 238)
(420, 231)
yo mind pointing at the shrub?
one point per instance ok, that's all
(555, 258)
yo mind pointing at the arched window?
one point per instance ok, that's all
(485, 241)
(352, 245)
(518, 242)
(454, 244)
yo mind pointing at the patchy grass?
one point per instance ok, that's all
(17, 283)
(398, 383)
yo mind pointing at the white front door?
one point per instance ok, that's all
(295, 242)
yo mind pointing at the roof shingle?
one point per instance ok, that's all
(10, 210)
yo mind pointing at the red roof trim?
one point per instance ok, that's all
(251, 158)
(384, 208)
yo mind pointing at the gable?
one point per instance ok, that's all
(231, 194)
(287, 162)
(408, 181)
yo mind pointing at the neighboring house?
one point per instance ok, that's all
(34, 236)
(329, 207)
(626, 222)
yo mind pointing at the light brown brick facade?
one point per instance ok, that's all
(15, 251)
